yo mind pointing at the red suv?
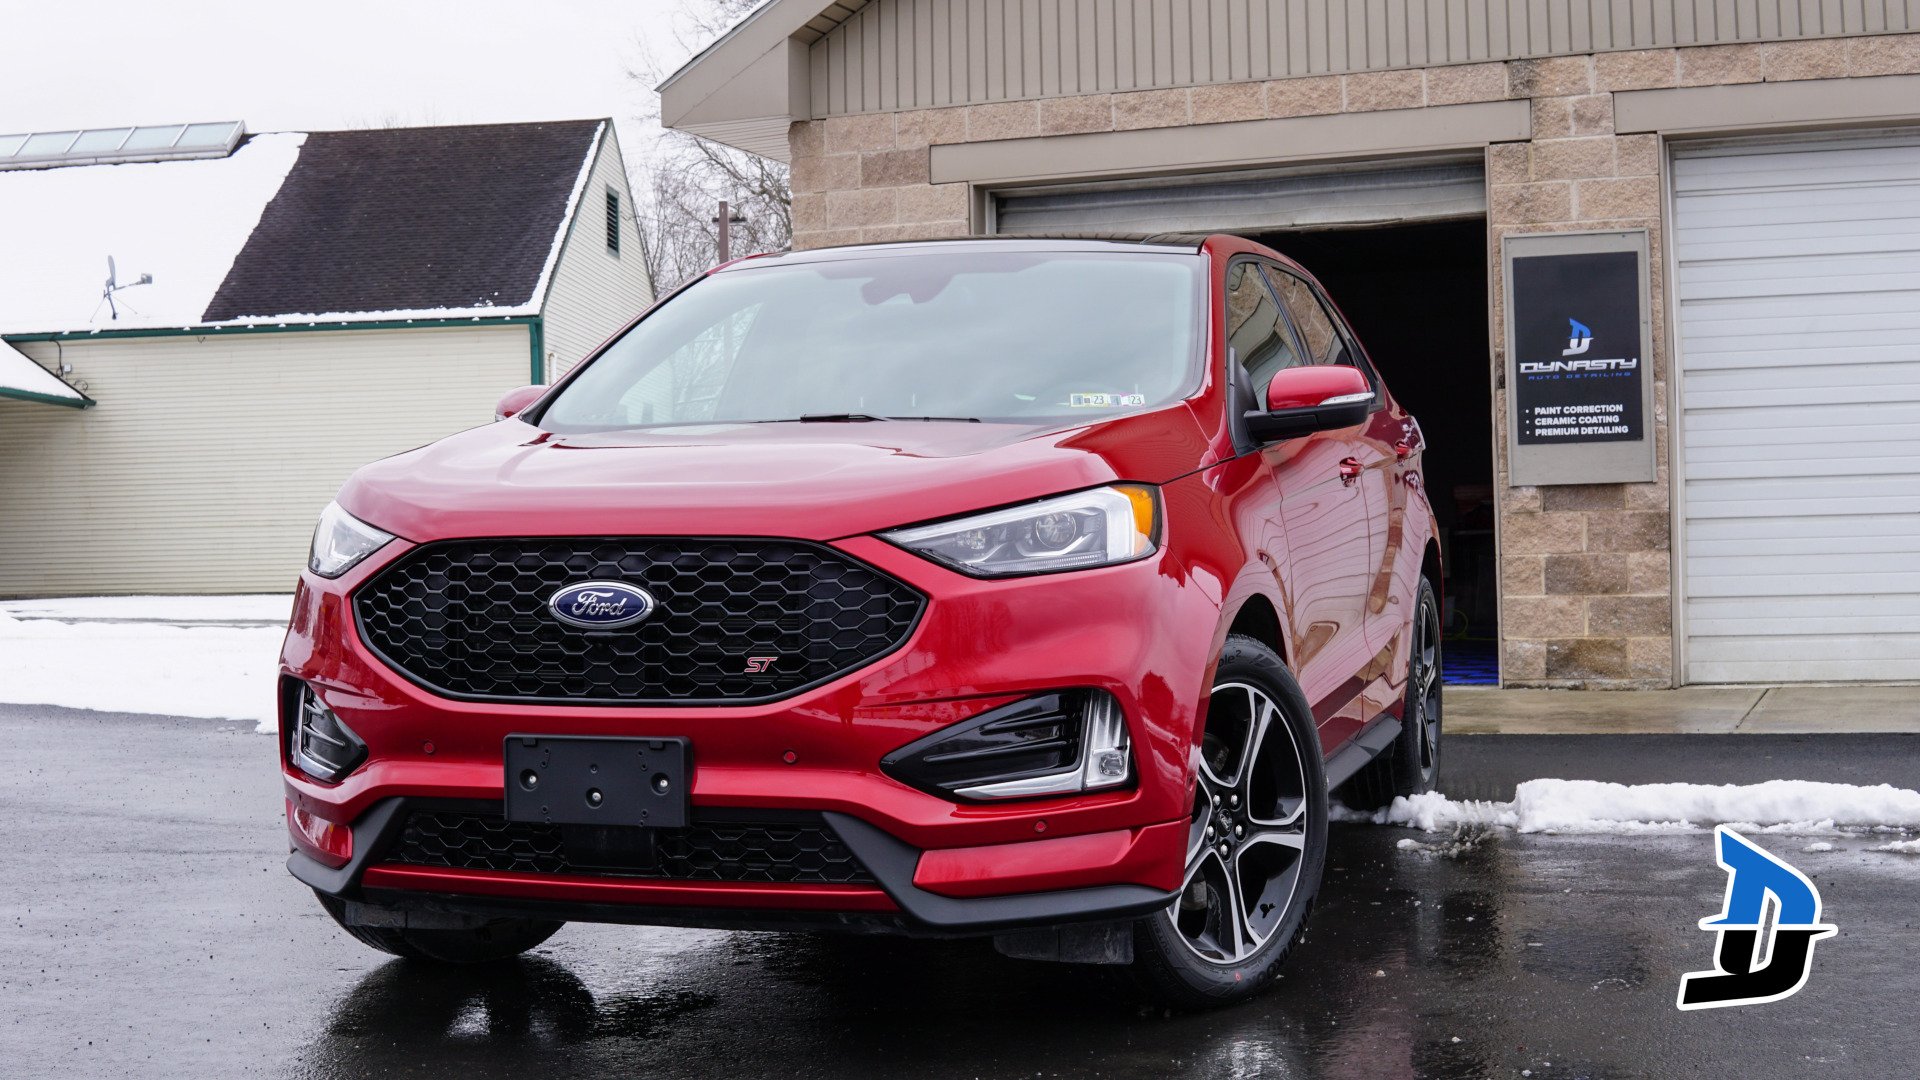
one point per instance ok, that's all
(1038, 589)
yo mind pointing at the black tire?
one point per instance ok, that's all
(1266, 806)
(1412, 764)
(498, 939)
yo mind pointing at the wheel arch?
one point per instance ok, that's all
(1258, 619)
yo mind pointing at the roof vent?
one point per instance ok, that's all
(112, 146)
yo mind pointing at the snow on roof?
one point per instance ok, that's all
(181, 221)
(20, 377)
(461, 222)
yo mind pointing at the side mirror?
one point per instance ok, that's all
(515, 401)
(1303, 400)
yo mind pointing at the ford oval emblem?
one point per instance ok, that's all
(601, 605)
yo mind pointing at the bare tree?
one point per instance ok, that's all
(679, 184)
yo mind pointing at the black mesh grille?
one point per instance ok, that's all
(799, 851)
(469, 619)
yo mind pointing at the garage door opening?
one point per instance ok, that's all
(1417, 296)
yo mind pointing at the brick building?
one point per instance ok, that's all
(1762, 156)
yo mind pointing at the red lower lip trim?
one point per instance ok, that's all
(593, 890)
(1149, 856)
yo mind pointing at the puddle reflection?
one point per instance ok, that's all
(1350, 1003)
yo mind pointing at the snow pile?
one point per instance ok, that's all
(1900, 847)
(213, 656)
(184, 222)
(1590, 806)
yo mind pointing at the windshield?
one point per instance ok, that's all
(987, 335)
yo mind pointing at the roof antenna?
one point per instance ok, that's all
(114, 287)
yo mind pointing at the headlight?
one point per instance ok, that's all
(1091, 528)
(340, 541)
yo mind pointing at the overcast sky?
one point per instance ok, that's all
(339, 64)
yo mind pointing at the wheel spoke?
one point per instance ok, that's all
(1274, 737)
(1297, 841)
(1235, 924)
(1263, 713)
(1266, 869)
(1206, 768)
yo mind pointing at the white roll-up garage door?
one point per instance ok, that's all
(1298, 197)
(1799, 326)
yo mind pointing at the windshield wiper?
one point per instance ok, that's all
(862, 418)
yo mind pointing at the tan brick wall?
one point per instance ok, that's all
(1586, 572)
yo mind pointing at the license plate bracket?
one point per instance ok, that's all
(593, 780)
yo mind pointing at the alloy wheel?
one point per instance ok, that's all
(1425, 678)
(1247, 841)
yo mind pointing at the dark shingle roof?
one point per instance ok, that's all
(408, 219)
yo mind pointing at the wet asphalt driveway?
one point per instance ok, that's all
(150, 930)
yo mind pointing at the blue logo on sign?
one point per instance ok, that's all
(1757, 960)
(601, 605)
(1579, 336)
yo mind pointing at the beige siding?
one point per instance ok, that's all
(595, 292)
(206, 460)
(914, 54)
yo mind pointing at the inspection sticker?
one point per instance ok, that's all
(1105, 401)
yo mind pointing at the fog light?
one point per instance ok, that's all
(325, 841)
(318, 743)
(1051, 744)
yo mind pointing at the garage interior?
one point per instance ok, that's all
(1402, 248)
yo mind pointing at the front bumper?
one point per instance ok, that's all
(900, 898)
(1137, 631)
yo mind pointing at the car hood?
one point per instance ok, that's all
(815, 481)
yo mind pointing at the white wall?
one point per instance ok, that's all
(593, 292)
(207, 458)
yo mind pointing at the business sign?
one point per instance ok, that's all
(1576, 333)
(1579, 390)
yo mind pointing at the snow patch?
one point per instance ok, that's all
(1816, 847)
(18, 371)
(1900, 847)
(184, 222)
(1797, 807)
(214, 657)
(264, 607)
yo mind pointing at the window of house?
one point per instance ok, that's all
(613, 222)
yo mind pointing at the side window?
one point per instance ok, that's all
(1324, 343)
(1256, 330)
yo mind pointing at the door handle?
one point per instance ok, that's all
(1350, 470)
